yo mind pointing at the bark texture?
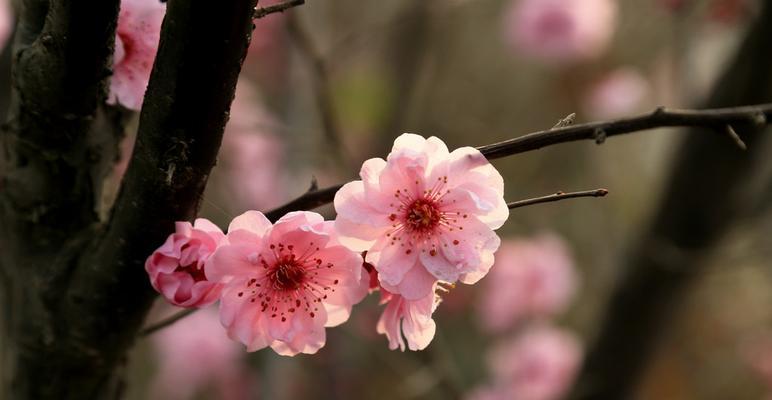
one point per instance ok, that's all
(74, 287)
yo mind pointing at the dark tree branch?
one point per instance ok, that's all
(308, 201)
(276, 8)
(701, 202)
(85, 291)
(51, 168)
(557, 197)
(717, 119)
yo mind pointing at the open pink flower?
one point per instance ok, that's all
(177, 268)
(413, 318)
(560, 31)
(136, 43)
(540, 364)
(531, 278)
(285, 282)
(423, 215)
(195, 356)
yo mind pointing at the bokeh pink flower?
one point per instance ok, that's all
(531, 278)
(560, 31)
(616, 94)
(7, 20)
(136, 43)
(195, 356)
(539, 364)
(177, 269)
(285, 283)
(424, 214)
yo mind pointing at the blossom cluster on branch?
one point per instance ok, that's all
(418, 221)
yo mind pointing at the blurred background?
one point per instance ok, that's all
(333, 82)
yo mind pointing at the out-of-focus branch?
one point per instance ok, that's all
(702, 201)
(717, 119)
(557, 197)
(277, 8)
(167, 321)
(321, 86)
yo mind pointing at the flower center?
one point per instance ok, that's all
(423, 215)
(288, 274)
(196, 273)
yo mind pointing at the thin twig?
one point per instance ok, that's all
(167, 321)
(321, 86)
(281, 7)
(308, 201)
(557, 197)
(758, 115)
(734, 136)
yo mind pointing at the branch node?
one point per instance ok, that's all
(282, 7)
(660, 110)
(759, 118)
(566, 121)
(735, 137)
(599, 135)
(314, 185)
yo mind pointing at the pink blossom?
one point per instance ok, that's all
(540, 364)
(423, 215)
(195, 355)
(136, 42)
(285, 282)
(413, 318)
(531, 278)
(617, 94)
(177, 269)
(560, 31)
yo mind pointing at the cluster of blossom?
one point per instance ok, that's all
(422, 217)
(533, 280)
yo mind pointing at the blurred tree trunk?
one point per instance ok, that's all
(702, 201)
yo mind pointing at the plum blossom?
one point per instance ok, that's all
(531, 278)
(540, 364)
(424, 214)
(413, 318)
(177, 268)
(560, 31)
(194, 356)
(136, 43)
(616, 94)
(285, 282)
